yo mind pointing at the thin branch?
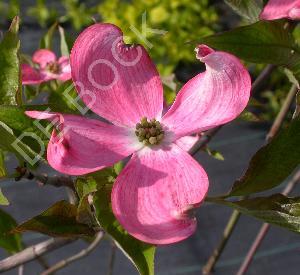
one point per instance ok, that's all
(263, 76)
(282, 114)
(204, 140)
(230, 226)
(44, 179)
(21, 270)
(56, 181)
(264, 230)
(111, 259)
(234, 218)
(32, 252)
(83, 253)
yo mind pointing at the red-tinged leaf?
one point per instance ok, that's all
(59, 221)
(10, 242)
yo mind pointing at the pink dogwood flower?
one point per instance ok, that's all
(276, 9)
(187, 142)
(47, 67)
(154, 194)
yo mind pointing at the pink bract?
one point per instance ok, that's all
(276, 9)
(47, 67)
(154, 195)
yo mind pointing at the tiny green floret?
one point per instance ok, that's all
(149, 132)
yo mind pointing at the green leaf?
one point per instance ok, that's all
(64, 49)
(118, 167)
(99, 184)
(250, 9)
(89, 185)
(66, 99)
(3, 199)
(84, 213)
(140, 254)
(263, 42)
(15, 118)
(94, 181)
(105, 176)
(272, 164)
(47, 40)
(10, 86)
(276, 209)
(214, 153)
(10, 242)
(24, 129)
(9, 142)
(85, 186)
(59, 221)
(248, 116)
(3, 172)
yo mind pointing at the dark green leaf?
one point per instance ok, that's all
(276, 209)
(9, 142)
(10, 242)
(3, 199)
(47, 41)
(15, 118)
(89, 185)
(272, 164)
(64, 49)
(59, 221)
(263, 42)
(140, 254)
(25, 129)
(94, 181)
(66, 99)
(250, 9)
(84, 212)
(10, 86)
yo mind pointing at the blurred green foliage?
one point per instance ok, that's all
(10, 9)
(182, 20)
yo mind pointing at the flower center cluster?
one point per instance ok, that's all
(53, 67)
(149, 132)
